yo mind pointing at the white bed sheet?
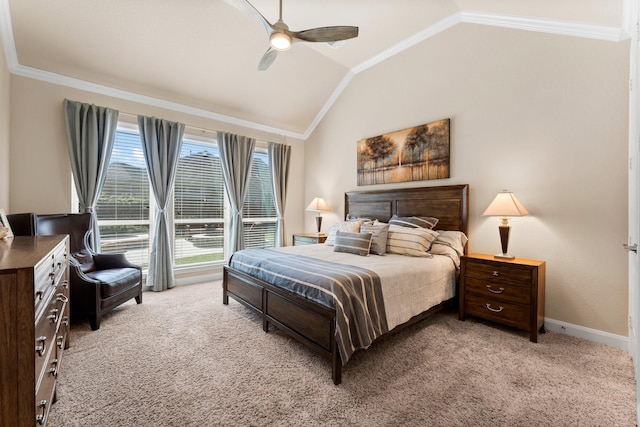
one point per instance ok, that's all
(410, 285)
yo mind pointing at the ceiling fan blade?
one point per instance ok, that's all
(248, 9)
(267, 59)
(326, 34)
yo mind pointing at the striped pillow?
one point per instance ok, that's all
(414, 221)
(352, 243)
(410, 241)
(379, 231)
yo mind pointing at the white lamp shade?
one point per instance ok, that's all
(318, 205)
(505, 204)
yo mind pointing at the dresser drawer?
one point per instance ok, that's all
(45, 392)
(49, 273)
(498, 311)
(498, 291)
(498, 272)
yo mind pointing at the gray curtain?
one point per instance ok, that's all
(161, 141)
(91, 132)
(236, 155)
(279, 157)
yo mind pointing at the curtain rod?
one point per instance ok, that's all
(135, 116)
(263, 138)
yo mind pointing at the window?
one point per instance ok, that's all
(198, 204)
(123, 208)
(259, 212)
(126, 211)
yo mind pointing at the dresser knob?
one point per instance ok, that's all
(495, 273)
(499, 291)
(495, 310)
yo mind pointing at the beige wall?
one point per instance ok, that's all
(40, 173)
(544, 116)
(5, 97)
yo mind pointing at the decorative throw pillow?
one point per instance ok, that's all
(454, 239)
(410, 241)
(353, 243)
(346, 226)
(379, 231)
(414, 221)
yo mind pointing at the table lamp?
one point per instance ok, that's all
(505, 205)
(318, 205)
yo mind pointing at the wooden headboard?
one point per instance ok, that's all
(448, 203)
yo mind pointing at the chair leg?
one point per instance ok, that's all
(139, 298)
(94, 321)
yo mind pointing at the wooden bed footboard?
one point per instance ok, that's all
(308, 322)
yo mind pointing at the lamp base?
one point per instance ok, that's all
(504, 256)
(319, 223)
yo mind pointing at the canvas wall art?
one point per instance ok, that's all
(418, 153)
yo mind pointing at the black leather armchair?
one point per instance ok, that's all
(99, 282)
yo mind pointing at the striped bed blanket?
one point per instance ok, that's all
(354, 292)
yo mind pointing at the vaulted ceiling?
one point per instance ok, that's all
(201, 56)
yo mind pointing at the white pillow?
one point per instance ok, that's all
(410, 241)
(454, 239)
(346, 226)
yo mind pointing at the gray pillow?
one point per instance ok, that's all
(352, 243)
(379, 231)
(414, 221)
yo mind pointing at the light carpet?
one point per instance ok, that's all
(182, 358)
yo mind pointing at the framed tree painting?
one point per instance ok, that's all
(418, 153)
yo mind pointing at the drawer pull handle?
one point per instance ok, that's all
(65, 284)
(40, 349)
(495, 273)
(53, 316)
(40, 417)
(62, 298)
(60, 342)
(495, 310)
(54, 371)
(39, 295)
(499, 291)
(65, 321)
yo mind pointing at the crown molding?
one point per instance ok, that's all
(574, 29)
(564, 28)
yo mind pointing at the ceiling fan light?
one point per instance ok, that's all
(280, 41)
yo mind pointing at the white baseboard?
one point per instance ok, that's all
(594, 335)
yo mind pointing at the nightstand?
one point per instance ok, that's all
(308, 238)
(510, 292)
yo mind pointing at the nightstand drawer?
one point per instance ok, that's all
(308, 238)
(498, 273)
(499, 291)
(498, 311)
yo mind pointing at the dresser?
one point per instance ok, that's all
(308, 238)
(34, 325)
(510, 292)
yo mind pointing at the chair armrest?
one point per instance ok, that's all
(107, 261)
(76, 271)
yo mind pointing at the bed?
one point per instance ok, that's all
(317, 324)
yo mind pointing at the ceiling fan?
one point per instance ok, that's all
(281, 38)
